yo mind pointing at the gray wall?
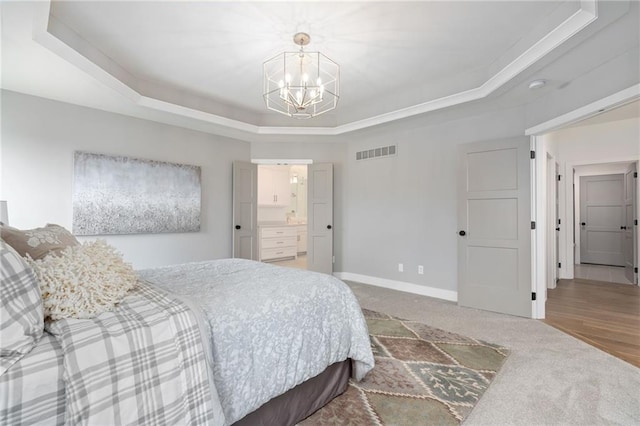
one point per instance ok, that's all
(36, 158)
(403, 209)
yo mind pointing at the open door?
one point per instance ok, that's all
(494, 217)
(553, 227)
(245, 222)
(629, 240)
(558, 221)
(320, 218)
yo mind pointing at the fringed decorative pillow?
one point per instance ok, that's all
(83, 281)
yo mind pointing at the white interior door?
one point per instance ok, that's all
(629, 244)
(320, 218)
(551, 223)
(558, 221)
(601, 219)
(494, 217)
(245, 209)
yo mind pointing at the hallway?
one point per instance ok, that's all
(603, 314)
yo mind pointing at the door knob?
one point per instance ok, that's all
(623, 227)
(462, 233)
(238, 227)
(583, 224)
(328, 226)
(557, 229)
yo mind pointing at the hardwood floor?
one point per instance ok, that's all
(605, 315)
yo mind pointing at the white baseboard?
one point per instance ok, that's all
(422, 290)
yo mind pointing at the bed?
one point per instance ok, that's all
(221, 342)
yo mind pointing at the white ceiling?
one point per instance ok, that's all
(199, 64)
(215, 50)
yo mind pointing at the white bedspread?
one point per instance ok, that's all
(271, 327)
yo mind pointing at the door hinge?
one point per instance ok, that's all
(559, 264)
(635, 222)
(635, 174)
(532, 154)
(559, 178)
(533, 225)
(635, 270)
(533, 296)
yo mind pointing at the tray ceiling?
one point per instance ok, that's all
(203, 60)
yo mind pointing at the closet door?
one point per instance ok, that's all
(602, 219)
(629, 244)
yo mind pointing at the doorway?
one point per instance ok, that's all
(248, 241)
(598, 303)
(553, 222)
(580, 137)
(600, 215)
(282, 214)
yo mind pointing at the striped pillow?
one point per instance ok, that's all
(21, 311)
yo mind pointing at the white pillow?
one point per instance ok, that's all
(83, 281)
(21, 317)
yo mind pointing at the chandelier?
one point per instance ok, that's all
(301, 84)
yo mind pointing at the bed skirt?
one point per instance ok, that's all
(303, 400)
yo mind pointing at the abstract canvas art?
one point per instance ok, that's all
(122, 195)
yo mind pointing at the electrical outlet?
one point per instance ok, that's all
(400, 267)
(420, 270)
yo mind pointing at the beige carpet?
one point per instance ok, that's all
(550, 377)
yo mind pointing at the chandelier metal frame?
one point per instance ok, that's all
(301, 84)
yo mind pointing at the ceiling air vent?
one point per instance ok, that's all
(384, 151)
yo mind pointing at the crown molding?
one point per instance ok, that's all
(616, 100)
(104, 70)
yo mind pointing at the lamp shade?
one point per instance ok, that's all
(4, 215)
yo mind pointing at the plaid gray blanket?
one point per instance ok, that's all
(142, 363)
(32, 390)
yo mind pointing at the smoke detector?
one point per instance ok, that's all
(537, 84)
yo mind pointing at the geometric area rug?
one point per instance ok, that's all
(422, 376)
